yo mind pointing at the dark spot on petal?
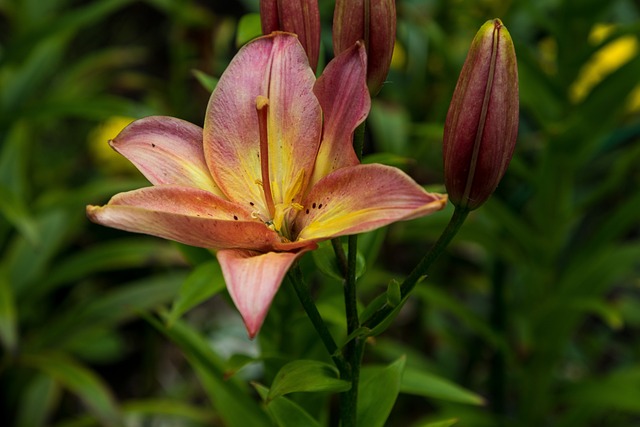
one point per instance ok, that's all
(153, 145)
(313, 206)
(307, 211)
(235, 217)
(251, 203)
(320, 206)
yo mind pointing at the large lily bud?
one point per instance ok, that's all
(482, 123)
(373, 21)
(300, 17)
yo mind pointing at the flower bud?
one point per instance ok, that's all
(482, 123)
(373, 21)
(300, 17)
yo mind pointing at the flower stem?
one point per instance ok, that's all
(456, 221)
(354, 349)
(302, 291)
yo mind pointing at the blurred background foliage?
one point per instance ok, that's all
(531, 318)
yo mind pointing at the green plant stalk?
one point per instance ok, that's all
(456, 221)
(302, 291)
(354, 349)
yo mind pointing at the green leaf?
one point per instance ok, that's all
(81, 381)
(619, 391)
(394, 295)
(378, 391)
(14, 210)
(168, 407)
(230, 398)
(249, 28)
(205, 281)
(433, 295)
(306, 376)
(37, 402)
(421, 383)
(112, 255)
(8, 327)
(26, 263)
(325, 259)
(237, 362)
(111, 308)
(285, 412)
(608, 313)
(443, 423)
(208, 82)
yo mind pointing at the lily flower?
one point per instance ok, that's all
(272, 173)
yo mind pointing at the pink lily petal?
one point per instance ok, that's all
(276, 67)
(253, 278)
(190, 216)
(167, 151)
(344, 97)
(361, 198)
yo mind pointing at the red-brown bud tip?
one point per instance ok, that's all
(482, 123)
(373, 21)
(301, 17)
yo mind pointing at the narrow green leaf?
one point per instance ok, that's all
(171, 407)
(618, 391)
(15, 212)
(433, 295)
(422, 383)
(609, 314)
(114, 307)
(26, 263)
(306, 376)
(237, 362)
(8, 327)
(394, 296)
(378, 391)
(205, 281)
(81, 381)
(119, 254)
(208, 82)
(229, 397)
(285, 412)
(37, 402)
(443, 423)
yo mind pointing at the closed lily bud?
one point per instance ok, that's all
(482, 123)
(300, 17)
(373, 21)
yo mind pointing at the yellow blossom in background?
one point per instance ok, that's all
(548, 55)
(103, 155)
(399, 57)
(604, 62)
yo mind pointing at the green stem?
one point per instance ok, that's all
(340, 256)
(456, 221)
(354, 349)
(302, 291)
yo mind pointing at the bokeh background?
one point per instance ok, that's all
(531, 317)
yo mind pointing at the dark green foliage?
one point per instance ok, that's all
(530, 318)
